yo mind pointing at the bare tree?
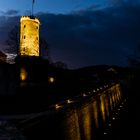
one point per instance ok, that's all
(13, 40)
(44, 49)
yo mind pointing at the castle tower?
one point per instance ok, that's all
(29, 36)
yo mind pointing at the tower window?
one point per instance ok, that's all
(24, 26)
(24, 37)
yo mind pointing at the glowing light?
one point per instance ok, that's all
(113, 118)
(57, 106)
(84, 95)
(69, 101)
(23, 74)
(51, 79)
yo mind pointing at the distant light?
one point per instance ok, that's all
(57, 106)
(94, 90)
(51, 79)
(84, 95)
(110, 124)
(105, 133)
(69, 101)
(23, 74)
(113, 118)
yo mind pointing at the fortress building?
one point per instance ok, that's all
(29, 36)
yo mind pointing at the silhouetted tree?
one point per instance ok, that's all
(13, 40)
(44, 48)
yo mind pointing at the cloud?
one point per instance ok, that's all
(12, 12)
(105, 36)
(123, 2)
(90, 37)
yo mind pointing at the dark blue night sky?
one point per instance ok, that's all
(80, 32)
(55, 6)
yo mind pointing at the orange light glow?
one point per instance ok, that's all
(23, 74)
(95, 111)
(102, 107)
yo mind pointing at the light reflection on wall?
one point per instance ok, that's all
(111, 104)
(107, 105)
(76, 122)
(79, 125)
(71, 126)
(119, 92)
(114, 96)
(102, 107)
(85, 122)
(95, 112)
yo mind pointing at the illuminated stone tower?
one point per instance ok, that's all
(29, 36)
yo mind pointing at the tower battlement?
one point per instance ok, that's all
(35, 19)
